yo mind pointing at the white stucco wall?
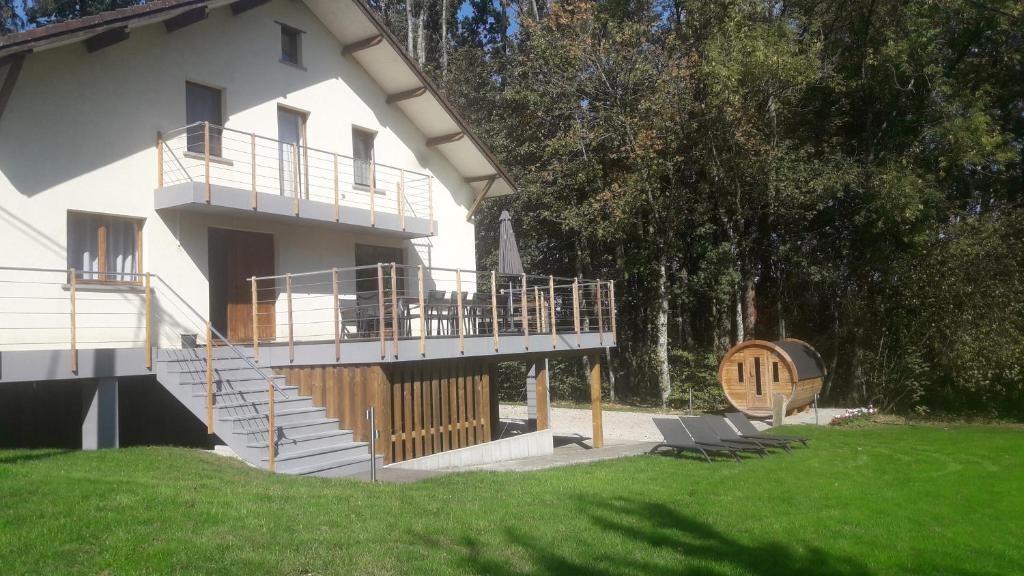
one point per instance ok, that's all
(79, 133)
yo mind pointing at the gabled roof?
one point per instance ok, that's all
(365, 38)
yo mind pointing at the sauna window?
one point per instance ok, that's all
(757, 377)
(739, 372)
(775, 372)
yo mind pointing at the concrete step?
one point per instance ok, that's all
(247, 379)
(315, 456)
(335, 468)
(256, 430)
(222, 385)
(244, 408)
(246, 394)
(244, 423)
(288, 445)
(226, 368)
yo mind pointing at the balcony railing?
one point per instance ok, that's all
(212, 155)
(392, 302)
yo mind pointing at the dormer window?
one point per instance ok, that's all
(291, 45)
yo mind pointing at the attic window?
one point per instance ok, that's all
(291, 45)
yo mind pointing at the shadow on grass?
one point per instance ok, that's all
(19, 457)
(678, 544)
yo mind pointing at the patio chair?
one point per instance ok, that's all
(676, 437)
(702, 433)
(747, 430)
(722, 429)
(436, 312)
(367, 315)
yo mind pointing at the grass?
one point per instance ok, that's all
(877, 499)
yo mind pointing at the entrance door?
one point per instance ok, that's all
(757, 386)
(290, 129)
(236, 256)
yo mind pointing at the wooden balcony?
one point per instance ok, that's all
(212, 168)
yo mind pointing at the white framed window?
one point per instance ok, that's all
(291, 45)
(204, 104)
(105, 248)
(362, 156)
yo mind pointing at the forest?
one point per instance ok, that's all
(848, 173)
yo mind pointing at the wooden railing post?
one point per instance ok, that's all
(400, 195)
(337, 195)
(540, 310)
(305, 162)
(551, 290)
(494, 308)
(271, 428)
(600, 316)
(159, 159)
(462, 324)
(380, 308)
(394, 308)
(255, 320)
(525, 305)
(206, 158)
(430, 202)
(337, 313)
(611, 307)
(252, 161)
(291, 323)
(209, 378)
(423, 311)
(373, 192)
(149, 323)
(295, 180)
(576, 308)
(74, 320)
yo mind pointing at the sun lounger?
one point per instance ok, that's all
(702, 434)
(747, 430)
(722, 429)
(677, 438)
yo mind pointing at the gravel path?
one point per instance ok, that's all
(622, 427)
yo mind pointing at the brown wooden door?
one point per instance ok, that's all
(758, 386)
(236, 256)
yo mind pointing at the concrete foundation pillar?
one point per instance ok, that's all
(99, 414)
(531, 397)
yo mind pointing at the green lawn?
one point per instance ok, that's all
(882, 499)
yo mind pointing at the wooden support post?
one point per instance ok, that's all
(295, 180)
(611, 307)
(337, 195)
(423, 311)
(524, 303)
(149, 323)
(400, 193)
(494, 309)
(600, 317)
(394, 308)
(271, 428)
(206, 158)
(337, 313)
(209, 378)
(595, 400)
(540, 310)
(551, 290)
(373, 192)
(541, 384)
(576, 309)
(430, 202)
(159, 160)
(462, 325)
(255, 319)
(252, 161)
(380, 308)
(72, 293)
(291, 323)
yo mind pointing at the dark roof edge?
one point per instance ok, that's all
(120, 16)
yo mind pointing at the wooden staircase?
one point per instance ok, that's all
(306, 441)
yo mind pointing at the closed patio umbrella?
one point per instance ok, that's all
(509, 261)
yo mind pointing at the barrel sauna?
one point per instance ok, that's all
(752, 371)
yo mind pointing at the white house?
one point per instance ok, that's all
(265, 208)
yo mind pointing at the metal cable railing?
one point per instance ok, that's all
(215, 155)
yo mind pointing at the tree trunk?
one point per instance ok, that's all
(738, 319)
(444, 38)
(409, 46)
(664, 376)
(749, 305)
(611, 375)
(421, 45)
